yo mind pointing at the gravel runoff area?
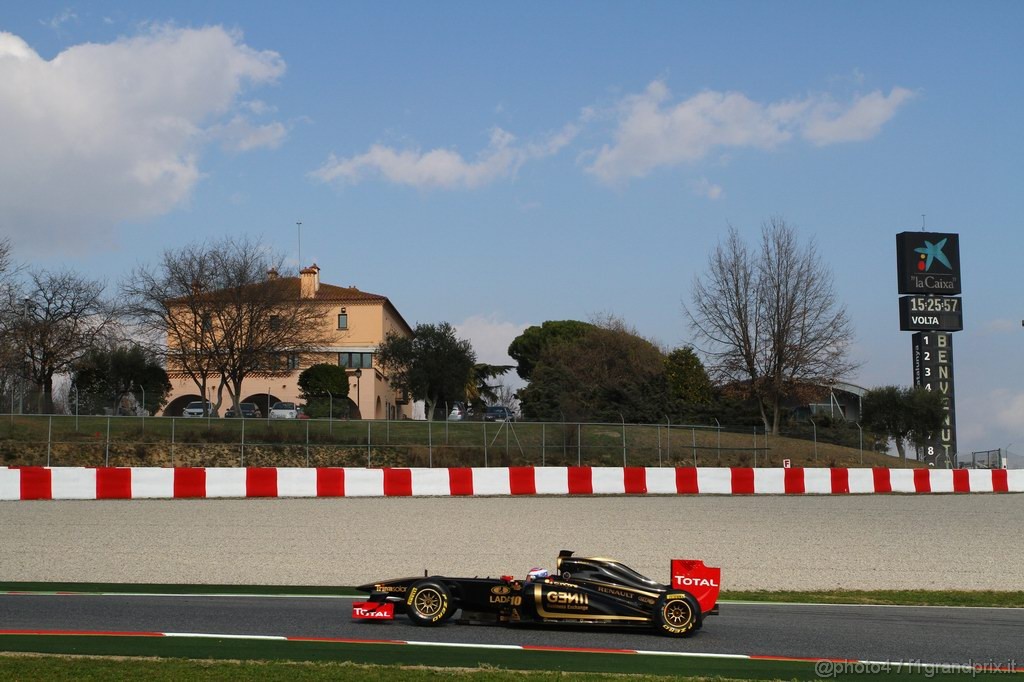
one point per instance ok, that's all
(804, 543)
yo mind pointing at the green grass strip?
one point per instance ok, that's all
(883, 597)
(168, 588)
(101, 670)
(987, 598)
(488, 660)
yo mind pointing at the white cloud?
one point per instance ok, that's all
(60, 19)
(1001, 326)
(241, 135)
(707, 189)
(490, 337)
(444, 168)
(830, 123)
(105, 133)
(652, 132)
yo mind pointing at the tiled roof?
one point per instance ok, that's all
(330, 292)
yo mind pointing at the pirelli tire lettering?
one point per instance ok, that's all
(677, 614)
(429, 602)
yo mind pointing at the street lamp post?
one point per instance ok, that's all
(24, 320)
(359, 393)
(330, 413)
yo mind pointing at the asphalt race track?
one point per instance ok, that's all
(969, 636)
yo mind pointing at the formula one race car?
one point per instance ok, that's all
(581, 591)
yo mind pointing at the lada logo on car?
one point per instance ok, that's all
(500, 589)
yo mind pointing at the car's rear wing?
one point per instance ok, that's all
(703, 582)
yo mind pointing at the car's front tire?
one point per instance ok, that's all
(429, 602)
(677, 614)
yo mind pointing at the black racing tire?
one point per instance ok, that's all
(677, 614)
(429, 602)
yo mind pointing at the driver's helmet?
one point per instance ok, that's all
(537, 574)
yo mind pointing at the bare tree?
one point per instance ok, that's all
(769, 320)
(53, 320)
(222, 314)
(11, 360)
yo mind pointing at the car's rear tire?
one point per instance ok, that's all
(429, 602)
(677, 614)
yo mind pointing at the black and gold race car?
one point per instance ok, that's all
(581, 591)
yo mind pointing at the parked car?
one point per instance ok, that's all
(456, 415)
(196, 409)
(249, 410)
(284, 411)
(498, 413)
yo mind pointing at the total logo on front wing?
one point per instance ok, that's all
(368, 610)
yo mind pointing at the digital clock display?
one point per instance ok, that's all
(933, 304)
(931, 313)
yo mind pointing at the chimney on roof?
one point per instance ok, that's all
(310, 281)
(272, 273)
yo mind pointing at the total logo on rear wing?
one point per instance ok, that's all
(703, 582)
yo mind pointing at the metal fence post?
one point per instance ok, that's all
(367, 440)
(815, 428)
(307, 443)
(668, 440)
(861, 430)
(485, 444)
(755, 447)
(657, 428)
(172, 442)
(241, 459)
(49, 438)
(693, 432)
(542, 443)
(579, 444)
(623, 439)
(718, 427)
(106, 459)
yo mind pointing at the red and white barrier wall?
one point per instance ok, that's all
(86, 483)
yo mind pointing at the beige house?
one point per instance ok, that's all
(356, 323)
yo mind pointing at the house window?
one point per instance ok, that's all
(293, 361)
(343, 319)
(207, 322)
(355, 360)
(275, 322)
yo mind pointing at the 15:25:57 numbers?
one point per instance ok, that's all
(934, 304)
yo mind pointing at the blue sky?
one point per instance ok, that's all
(498, 166)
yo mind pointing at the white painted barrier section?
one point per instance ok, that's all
(607, 481)
(364, 483)
(552, 481)
(152, 482)
(73, 483)
(431, 482)
(296, 482)
(714, 481)
(818, 481)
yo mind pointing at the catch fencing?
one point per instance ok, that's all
(69, 440)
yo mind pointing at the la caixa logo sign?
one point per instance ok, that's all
(928, 263)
